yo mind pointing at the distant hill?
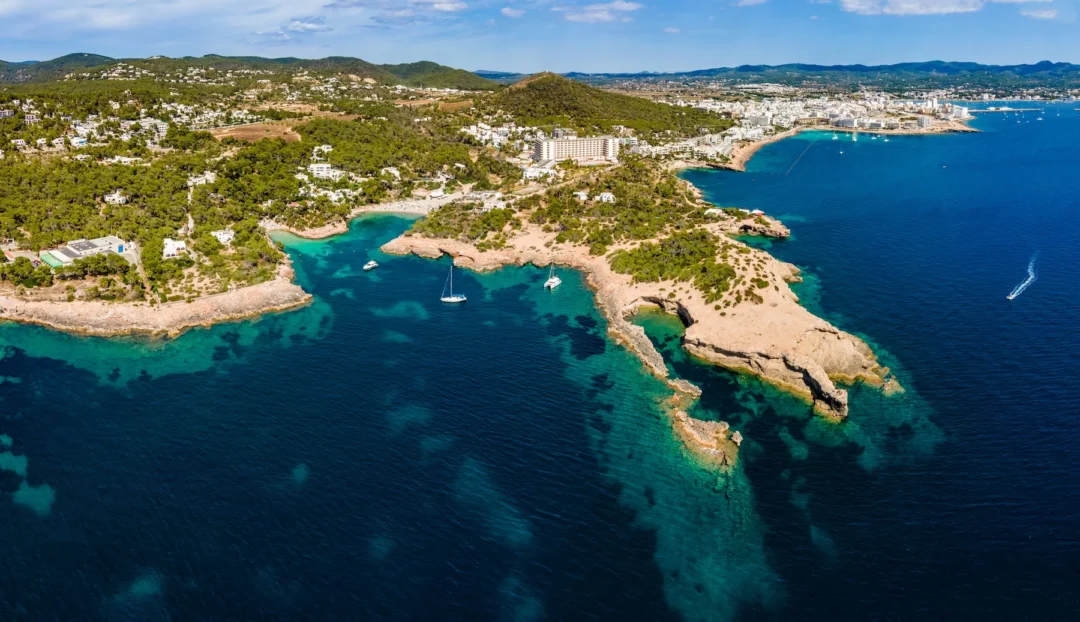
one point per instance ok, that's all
(49, 70)
(549, 99)
(413, 74)
(928, 73)
(504, 77)
(427, 73)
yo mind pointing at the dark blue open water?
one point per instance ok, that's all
(377, 455)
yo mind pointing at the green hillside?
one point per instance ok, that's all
(424, 73)
(49, 70)
(427, 73)
(547, 100)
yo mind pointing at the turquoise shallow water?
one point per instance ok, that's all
(378, 455)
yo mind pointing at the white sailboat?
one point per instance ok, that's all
(854, 137)
(835, 137)
(886, 139)
(454, 298)
(553, 281)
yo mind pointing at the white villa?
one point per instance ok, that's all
(173, 248)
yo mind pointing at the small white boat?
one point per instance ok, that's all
(453, 298)
(886, 139)
(1039, 119)
(371, 265)
(553, 281)
(873, 138)
(835, 137)
(855, 137)
(841, 153)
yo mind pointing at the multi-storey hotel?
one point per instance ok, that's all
(578, 149)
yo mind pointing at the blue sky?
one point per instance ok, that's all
(557, 35)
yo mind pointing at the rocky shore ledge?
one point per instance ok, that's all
(113, 319)
(777, 340)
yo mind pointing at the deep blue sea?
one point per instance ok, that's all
(379, 455)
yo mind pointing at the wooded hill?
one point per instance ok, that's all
(547, 99)
(424, 73)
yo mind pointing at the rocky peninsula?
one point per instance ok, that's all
(108, 319)
(773, 338)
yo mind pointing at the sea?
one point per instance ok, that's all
(379, 455)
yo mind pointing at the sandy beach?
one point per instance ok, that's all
(743, 152)
(416, 207)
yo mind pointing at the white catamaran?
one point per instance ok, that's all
(553, 281)
(450, 283)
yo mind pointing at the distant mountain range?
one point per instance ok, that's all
(930, 72)
(424, 73)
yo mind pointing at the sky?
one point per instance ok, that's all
(552, 35)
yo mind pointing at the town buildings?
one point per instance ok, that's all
(577, 149)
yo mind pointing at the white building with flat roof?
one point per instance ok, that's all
(577, 149)
(208, 177)
(173, 248)
(85, 248)
(323, 170)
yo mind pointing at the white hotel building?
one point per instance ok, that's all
(577, 149)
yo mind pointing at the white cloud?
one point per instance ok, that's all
(449, 7)
(59, 18)
(597, 13)
(308, 24)
(922, 7)
(510, 12)
(671, 30)
(1040, 14)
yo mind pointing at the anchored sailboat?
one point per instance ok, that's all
(450, 283)
(553, 281)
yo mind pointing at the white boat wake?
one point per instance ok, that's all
(1031, 278)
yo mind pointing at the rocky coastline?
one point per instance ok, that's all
(105, 319)
(776, 340)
